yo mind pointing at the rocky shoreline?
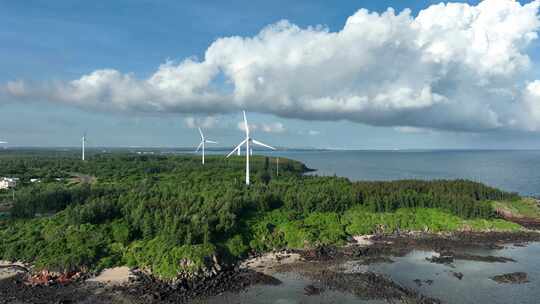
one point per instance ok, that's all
(322, 265)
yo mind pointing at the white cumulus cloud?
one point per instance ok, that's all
(454, 66)
(207, 122)
(276, 127)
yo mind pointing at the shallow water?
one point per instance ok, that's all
(290, 291)
(475, 286)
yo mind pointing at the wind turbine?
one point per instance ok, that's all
(203, 141)
(248, 149)
(83, 140)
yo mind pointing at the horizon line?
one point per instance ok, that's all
(279, 148)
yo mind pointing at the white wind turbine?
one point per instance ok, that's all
(203, 141)
(249, 151)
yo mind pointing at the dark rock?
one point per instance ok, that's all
(311, 290)
(186, 290)
(511, 278)
(321, 253)
(483, 258)
(419, 282)
(448, 257)
(441, 259)
(375, 260)
(458, 275)
(368, 286)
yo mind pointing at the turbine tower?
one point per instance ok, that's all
(249, 151)
(203, 141)
(83, 140)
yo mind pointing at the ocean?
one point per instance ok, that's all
(510, 170)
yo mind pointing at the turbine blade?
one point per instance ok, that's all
(237, 147)
(200, 132)
(262, 144)
(246, 124)
(200, 145)
(211, 141)
(3, 142)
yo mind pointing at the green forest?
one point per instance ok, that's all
(158, 211)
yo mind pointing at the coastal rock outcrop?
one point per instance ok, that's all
(511, 278)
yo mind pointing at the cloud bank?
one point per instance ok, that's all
(452, 67)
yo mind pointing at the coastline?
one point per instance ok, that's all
(334, 220)
(122, 285)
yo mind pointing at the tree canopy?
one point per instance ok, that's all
(154, 210)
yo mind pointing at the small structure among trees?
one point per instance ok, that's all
(8, 182)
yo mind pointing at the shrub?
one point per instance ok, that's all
(236, 246)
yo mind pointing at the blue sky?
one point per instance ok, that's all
(44, 42)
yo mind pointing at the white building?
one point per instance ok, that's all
(8, 182)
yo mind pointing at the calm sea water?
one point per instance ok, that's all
(476, 285)
(516, 171)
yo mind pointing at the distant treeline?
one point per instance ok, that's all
(461, 197)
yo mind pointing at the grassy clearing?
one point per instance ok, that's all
(283, 229)
(525, 207)
(359, 221)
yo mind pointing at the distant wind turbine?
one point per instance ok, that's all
(203, 141)
(83, 140)
(249, 151)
